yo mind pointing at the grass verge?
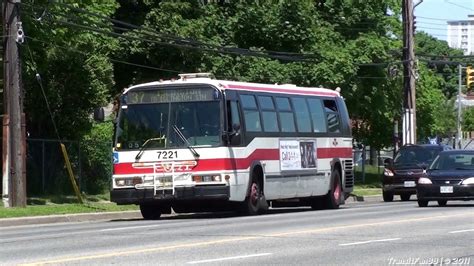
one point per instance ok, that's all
(371, 185)
(54, 205)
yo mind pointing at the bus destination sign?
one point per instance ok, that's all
(170, 95)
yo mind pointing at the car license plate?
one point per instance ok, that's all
(446, 189)
(409, 184)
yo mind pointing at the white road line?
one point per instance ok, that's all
(369, 241)
(129, 227)
(229, 258)
(461, 231)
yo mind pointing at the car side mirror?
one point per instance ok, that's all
(388, 162)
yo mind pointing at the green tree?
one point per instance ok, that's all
(338, 39)
(72, 62)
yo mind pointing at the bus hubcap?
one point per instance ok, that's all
(254, 194)
(337, 190)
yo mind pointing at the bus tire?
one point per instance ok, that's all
(254, 199)
(150, 212)
(333, 198)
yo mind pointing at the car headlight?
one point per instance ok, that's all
(468, 181)
(387, 172)
(424, 181)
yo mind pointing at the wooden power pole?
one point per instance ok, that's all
(409, 101)
(14, 142)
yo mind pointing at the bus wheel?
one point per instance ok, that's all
(333, 198)
(150, 212)
(254, 199)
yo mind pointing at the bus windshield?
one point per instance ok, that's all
(199, 122)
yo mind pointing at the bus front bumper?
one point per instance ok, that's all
(137, 196)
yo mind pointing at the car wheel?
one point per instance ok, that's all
(405, 197)
(387, 196)
(422, 203)
(442, 203)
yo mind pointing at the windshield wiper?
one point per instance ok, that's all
(183, 138)
(145, 144)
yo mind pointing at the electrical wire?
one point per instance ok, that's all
(111, 59)
(40, 82)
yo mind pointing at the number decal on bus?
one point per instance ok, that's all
(167, 154)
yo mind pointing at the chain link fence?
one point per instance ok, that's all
(46, 172)
(365, 158)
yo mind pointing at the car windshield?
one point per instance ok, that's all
(453, 161)
(416, 155)
(198, 121)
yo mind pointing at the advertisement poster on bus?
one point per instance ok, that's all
(297, 155)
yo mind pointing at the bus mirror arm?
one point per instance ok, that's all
(228, 135)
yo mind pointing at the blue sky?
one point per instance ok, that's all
(431, 15)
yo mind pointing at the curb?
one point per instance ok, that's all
(357, 199)
(79, 217)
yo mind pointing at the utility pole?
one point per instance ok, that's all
(409, 100)
(14, 149)
(458, 126)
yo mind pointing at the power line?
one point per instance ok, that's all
(111, 59)
(458, 5)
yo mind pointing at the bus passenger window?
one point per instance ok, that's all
(269, 117)
(251, 113)
(302, 115)
(332, 116)
(285, 114)
(317, 115)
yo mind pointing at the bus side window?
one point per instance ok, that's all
(234, 123)
(332, 116)
(317, 115)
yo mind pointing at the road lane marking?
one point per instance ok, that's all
(461, 231)
(369, 241)
(229, 258)
(125, 252)
(129, 227)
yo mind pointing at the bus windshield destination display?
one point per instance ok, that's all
(168, 95)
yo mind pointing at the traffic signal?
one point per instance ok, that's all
(469, 76)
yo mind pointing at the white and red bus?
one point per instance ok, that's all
(201, 144)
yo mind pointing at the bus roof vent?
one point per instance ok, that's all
(195, 75)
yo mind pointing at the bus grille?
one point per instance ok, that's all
(349, 173)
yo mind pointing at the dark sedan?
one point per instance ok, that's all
(449, 177)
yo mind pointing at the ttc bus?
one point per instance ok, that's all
(200, 144)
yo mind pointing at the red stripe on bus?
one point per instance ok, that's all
(281, 90)
(219, 164)
(341, 152)
(209, 164)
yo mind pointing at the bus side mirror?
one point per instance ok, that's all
(227, 136)
(99, 114)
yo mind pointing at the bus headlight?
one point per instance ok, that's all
(207, 178)
(128, 181)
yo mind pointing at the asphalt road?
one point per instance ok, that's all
(357, 234)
